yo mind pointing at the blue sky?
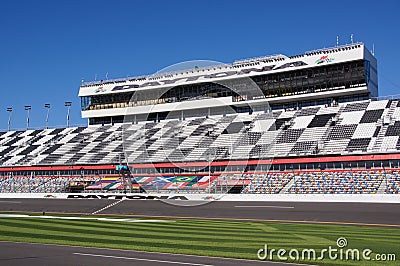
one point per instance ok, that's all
(47, 47)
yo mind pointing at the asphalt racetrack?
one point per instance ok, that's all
(16, 254)
(324, 212)
(379, 214)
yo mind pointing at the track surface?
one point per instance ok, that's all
(368, 213)
(17, 254)
(38, 254)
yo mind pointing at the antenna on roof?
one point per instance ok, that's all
(373, 49)
(337, 40)
(351, 38)
(106, 75)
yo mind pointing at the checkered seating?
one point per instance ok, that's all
(356, 127)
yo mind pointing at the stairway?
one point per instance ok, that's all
(388, 117)
(288, 185)
(382, 188)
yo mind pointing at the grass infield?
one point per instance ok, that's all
(217, 238)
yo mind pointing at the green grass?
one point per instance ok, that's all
(231, 239)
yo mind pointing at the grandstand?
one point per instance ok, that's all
(312, 125)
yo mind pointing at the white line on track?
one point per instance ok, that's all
(128, 220)
(243, 261)
(6, 201)
(264, 206)
(141, 259)
(108, 206)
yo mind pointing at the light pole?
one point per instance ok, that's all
(9, 110)
(27, 108)
(68, 105)
(210, 159)
(47, 106)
